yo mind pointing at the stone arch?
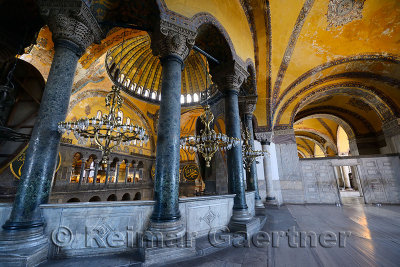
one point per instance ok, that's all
(138, 196)
(346, 126)
(314, 141)
(205, 22)
(73, 200)
(301, 153)
(126, 197)
(95, 199)
(362, 57)
(112, 197)
(383, 107)
(249, 86)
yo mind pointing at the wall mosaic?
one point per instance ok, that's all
(341, 12)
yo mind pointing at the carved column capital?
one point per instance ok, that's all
(247, 104)
(263, 137)
(229, 76)
(171, 39)
(72, 24)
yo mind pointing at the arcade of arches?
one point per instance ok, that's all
(317, 84)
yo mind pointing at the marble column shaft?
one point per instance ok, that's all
(166, 187)
(96, 170)
(252, 179)
(41, 155)
(126, 172)
(117, 172)
(234, 155)
(82, 173)
(267, 173)
(345, 172)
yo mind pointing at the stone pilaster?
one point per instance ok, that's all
(172, 43)
(289, 169)
(74, 28)
(391, 131)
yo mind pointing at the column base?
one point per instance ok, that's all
(176, 250)
(243, 223)
(271, 201)
(164, 231)
(23, 248)
(259, 203)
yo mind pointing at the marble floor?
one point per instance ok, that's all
(374, 238)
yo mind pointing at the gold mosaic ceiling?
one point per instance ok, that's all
(139, 71)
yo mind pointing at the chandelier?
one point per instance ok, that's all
(107, 131)
(208, 142)
(249, 155)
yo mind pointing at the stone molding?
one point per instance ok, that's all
(284, 136)
(172, 39)
(391, 128)
(71, 21)
(229, 76)
(247, 104)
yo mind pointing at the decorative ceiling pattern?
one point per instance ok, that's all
(133, 65)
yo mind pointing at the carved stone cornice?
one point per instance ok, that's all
(247, 104)
(71, 21)
(229, 76)
(172, 39)
(391, 128)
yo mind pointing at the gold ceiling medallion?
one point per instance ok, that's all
(249, 155)
(341, 12)
(107, 131)
(208, 142)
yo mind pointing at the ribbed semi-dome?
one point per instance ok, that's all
(138, 71)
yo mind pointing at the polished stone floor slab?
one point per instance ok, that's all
(374, 238)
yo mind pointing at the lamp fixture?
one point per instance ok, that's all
(208, 142)
(107, 131)
(249, 155)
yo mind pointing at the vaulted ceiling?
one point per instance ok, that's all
(336, 58)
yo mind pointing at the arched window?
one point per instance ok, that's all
(133, 86)
(98, 116)
(126, 197)
(189, 98)
(138, 196)
(121, 115)
(153, 95)
(182, 99)
(121, 78)
(195, 97)
(112, 197)
(74, 199)
(139, 90)
(95, 199)
(146, 93)
(159, 97)
(128, 120)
